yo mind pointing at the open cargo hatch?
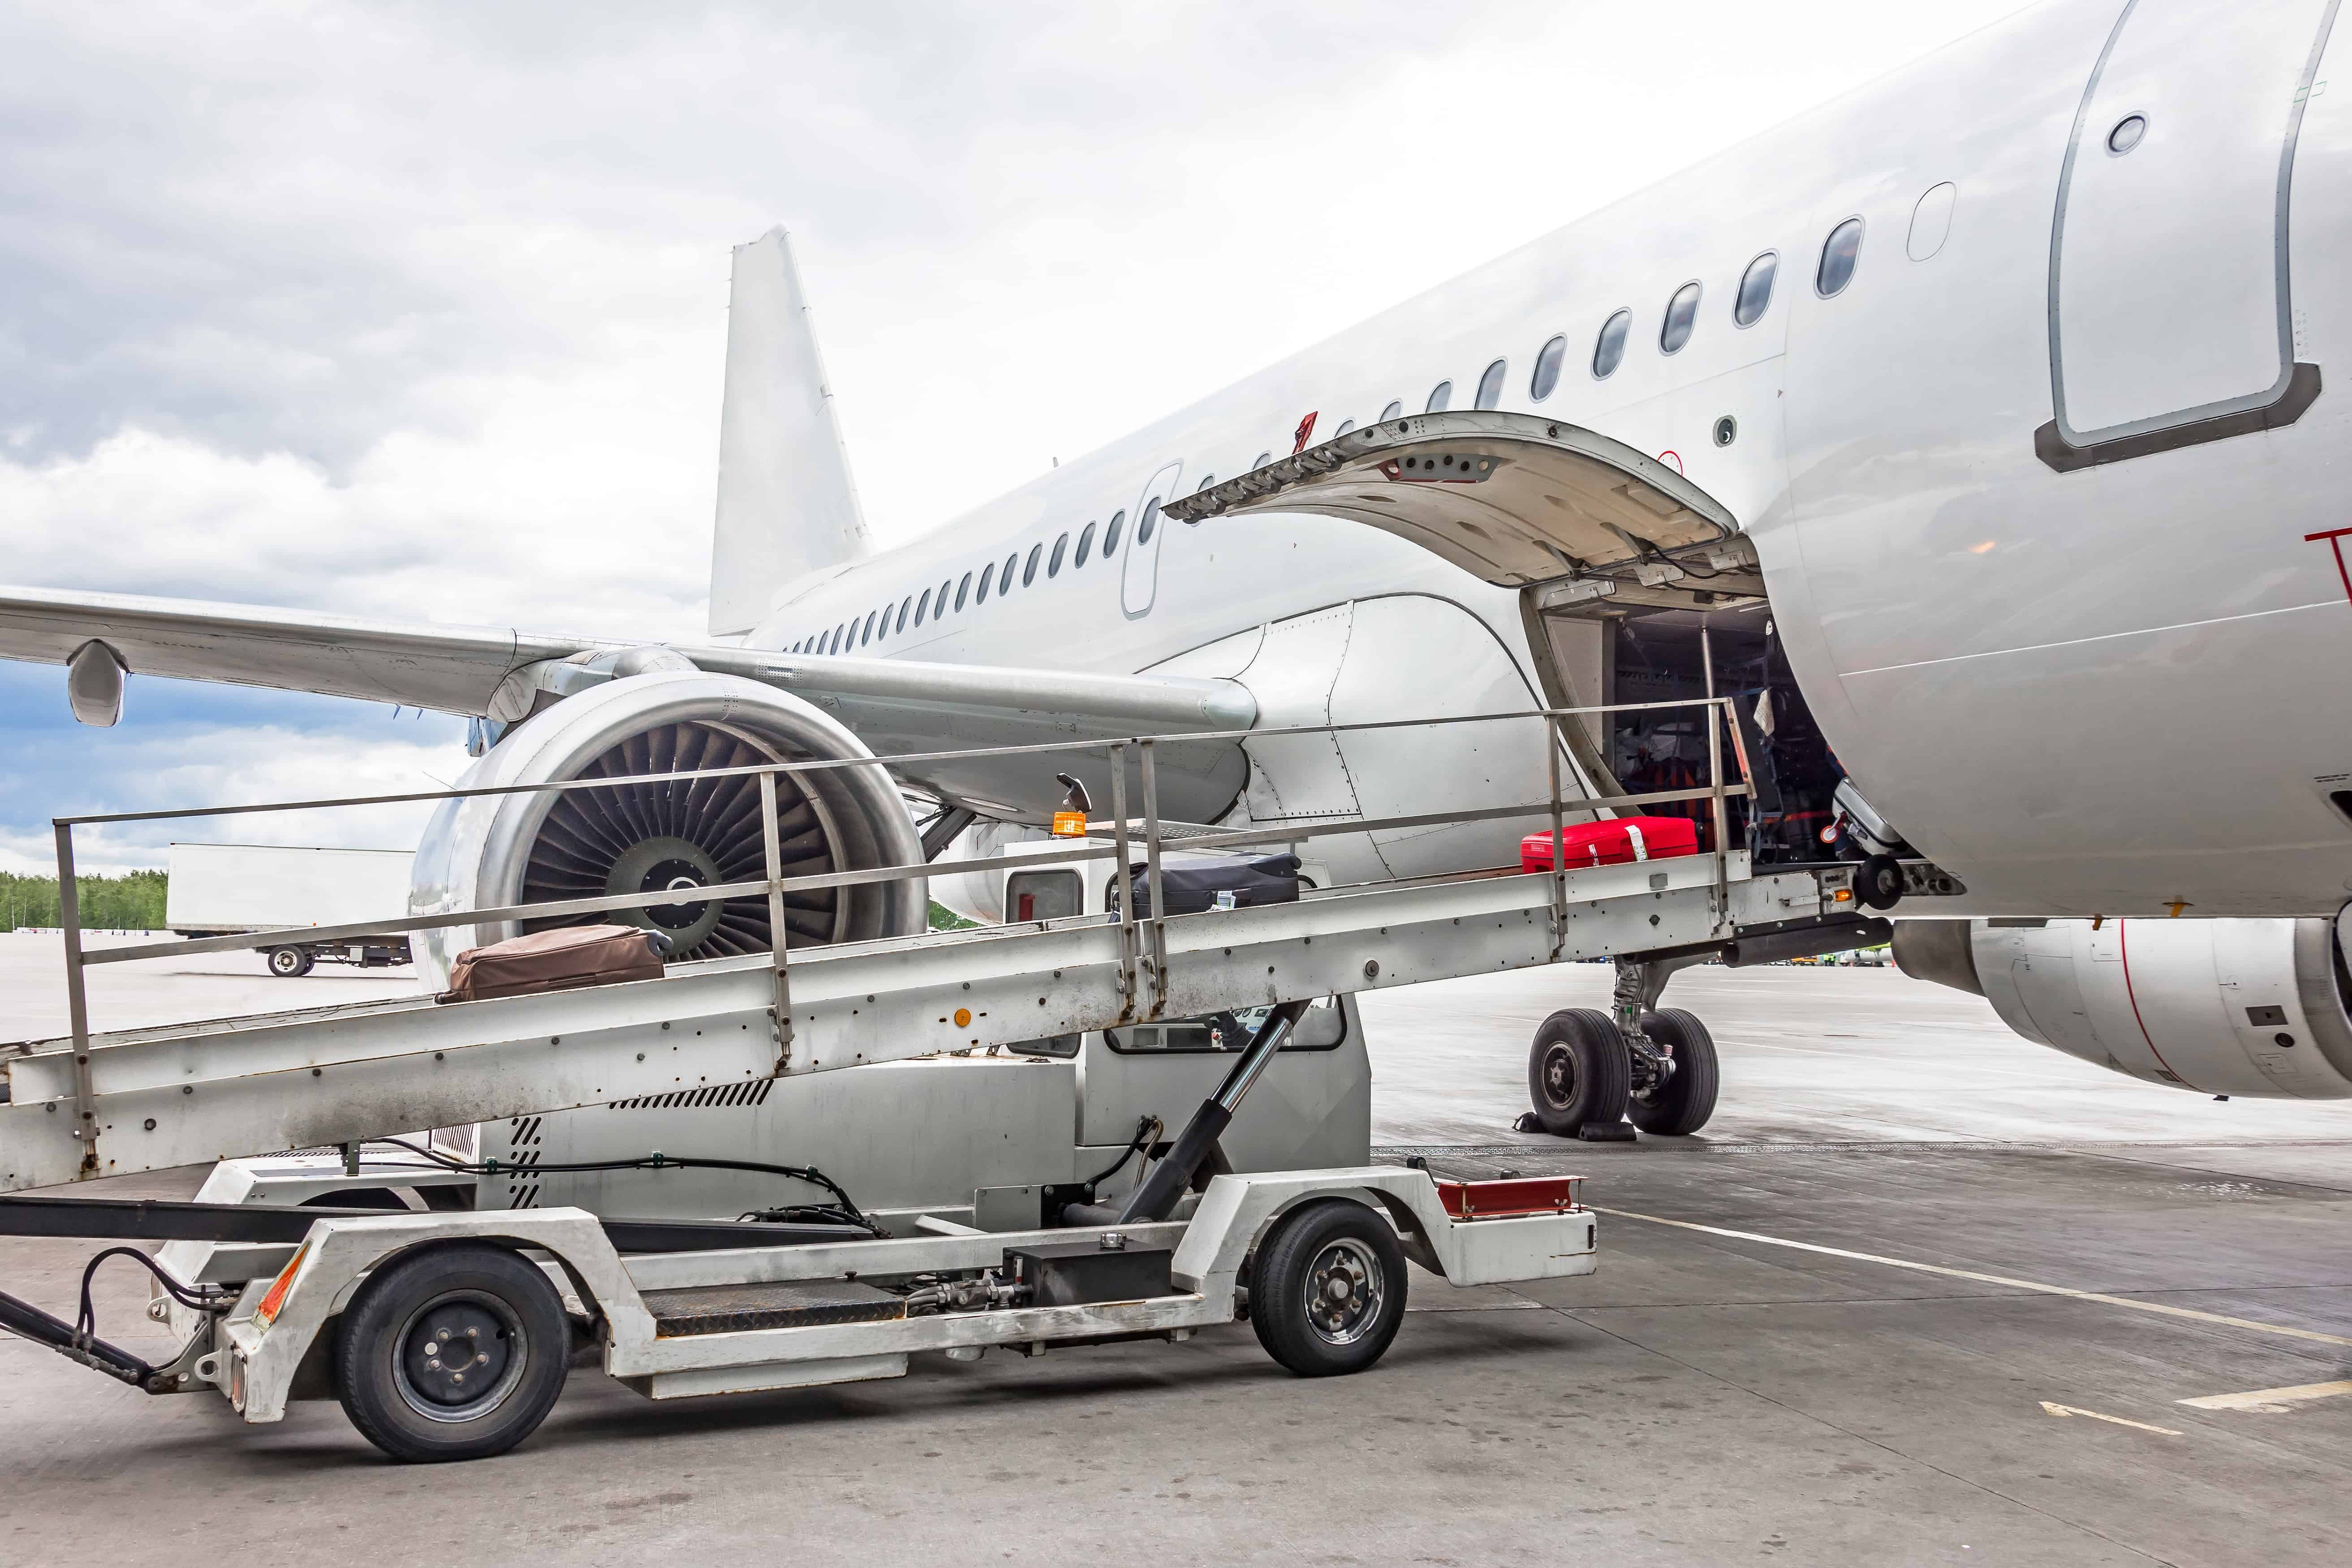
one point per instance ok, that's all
(1518, 500)
(1589, 530)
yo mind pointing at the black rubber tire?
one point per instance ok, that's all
(286, 962)
(396, 1311)
(1684, 1103)
(1878, 881)
(1578, 1071)
(1282, 1288)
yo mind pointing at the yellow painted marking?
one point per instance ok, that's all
(2139, 1426)
(2269, 1399)
(2160, 1308)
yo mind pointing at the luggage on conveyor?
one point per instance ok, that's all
(558, 960)
(1197, 879)
(1614, 843)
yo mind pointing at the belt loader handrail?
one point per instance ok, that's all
(1143, 947)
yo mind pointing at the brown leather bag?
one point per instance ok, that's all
(558, 960)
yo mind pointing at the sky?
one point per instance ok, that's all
(419, 312)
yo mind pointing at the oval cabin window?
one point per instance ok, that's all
(1682, 315)
(1609, 348)
(1756, 289)
(1547, 375)
(1838, 254)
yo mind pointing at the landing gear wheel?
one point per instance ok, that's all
(1327, 1288)
(286, 962)
(1878, 881)
(1684, 1102)
(456, 1351)
(1578, 1071)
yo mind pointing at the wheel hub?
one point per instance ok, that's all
(1559, 1075)
(459, 1358)
(1347, 1291)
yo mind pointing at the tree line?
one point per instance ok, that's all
(131, 901)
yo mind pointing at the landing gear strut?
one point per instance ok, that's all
(1590, 1073)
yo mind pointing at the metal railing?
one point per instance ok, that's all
(1142, 938)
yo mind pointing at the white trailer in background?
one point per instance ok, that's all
(222, 888)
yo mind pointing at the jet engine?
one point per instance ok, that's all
(489, 851)
(2254, 1007)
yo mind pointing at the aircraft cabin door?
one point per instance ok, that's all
(1140, 574)
(2170, 315)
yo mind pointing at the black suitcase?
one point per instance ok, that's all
(1192, 880)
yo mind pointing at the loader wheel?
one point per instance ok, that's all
(1578, 1071)
(456, 1351)
(286, 962)
(1327, 1288)
(1683, 1103)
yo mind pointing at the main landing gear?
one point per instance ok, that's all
(1598, 1076)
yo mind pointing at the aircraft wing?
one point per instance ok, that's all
(453, 669)
(895, 706)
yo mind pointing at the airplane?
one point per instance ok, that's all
(1970, 431)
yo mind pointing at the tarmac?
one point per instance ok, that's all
(1922, 1292)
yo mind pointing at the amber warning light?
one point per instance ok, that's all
(1070, 816)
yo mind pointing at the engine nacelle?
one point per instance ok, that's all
(489, 851)
(2252, 1007)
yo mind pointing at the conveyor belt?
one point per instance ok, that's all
(197, 1093)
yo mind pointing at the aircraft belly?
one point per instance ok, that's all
(1417, 657)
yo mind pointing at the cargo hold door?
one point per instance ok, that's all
(1580, 525)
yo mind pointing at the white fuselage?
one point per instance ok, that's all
(2106, 691)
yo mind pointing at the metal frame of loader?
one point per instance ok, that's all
(687, 1312)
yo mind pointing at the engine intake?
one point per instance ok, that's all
(676, 835)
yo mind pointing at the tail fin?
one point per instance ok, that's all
(786, 504)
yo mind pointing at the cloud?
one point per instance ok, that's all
(419, 311)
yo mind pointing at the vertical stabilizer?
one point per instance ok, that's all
(786, 505)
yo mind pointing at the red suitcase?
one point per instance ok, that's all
(1613, 842)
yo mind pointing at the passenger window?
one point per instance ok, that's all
(1755, 289)
(1441, 397)
(1547, 375)
(922, 606)
(1086, 542)
(1682, 313)
(1054, 561)
(1263, 459)
(1111, 534)
(1838, 253)
(986, 573)
(1609, 348)
(1147, 523)
(1029, 571)
(963, 588)
(905, 604)
(1393, 411)
(1345, 426)
(1490, 388)
(867, 636)
(1005, 578)
(1206, 480)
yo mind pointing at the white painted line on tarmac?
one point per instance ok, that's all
(2160, 1308)
(2269, 1400)
(1487, 1307)
(2140, 1426)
